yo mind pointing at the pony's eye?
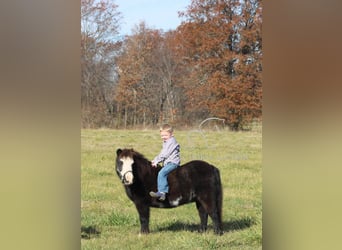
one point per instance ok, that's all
(119, 165)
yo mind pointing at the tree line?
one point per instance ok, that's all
(210, 65)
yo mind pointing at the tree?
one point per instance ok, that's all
(221, 43)
(99, 27)
(146, 91)
(209, 66)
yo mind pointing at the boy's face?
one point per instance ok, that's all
(165, 135)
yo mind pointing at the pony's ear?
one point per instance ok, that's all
(118, 151)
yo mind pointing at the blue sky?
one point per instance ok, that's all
(158, 14)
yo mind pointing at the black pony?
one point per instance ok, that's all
(196, 181)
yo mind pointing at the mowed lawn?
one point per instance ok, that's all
(110, 220)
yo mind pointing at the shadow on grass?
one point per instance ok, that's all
(228, 226)
(89, 232)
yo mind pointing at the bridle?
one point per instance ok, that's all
(125, 170)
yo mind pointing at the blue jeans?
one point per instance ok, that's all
(163, 186)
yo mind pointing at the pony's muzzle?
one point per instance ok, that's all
(127, 178)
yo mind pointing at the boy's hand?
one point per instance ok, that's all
(153, 164)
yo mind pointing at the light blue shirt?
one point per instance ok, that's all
(169, 152)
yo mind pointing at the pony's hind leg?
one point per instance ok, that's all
(211, 208)
(203, 216)
(216, 218)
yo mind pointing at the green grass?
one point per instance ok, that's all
(110, 220)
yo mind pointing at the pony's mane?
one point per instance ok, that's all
(133, 154)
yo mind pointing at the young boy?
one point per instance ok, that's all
(170, 157)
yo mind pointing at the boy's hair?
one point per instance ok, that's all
(166, 127)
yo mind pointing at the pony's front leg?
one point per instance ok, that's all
(144, 217)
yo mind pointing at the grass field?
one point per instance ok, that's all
(110, 220)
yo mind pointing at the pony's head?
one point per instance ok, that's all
(124, 165)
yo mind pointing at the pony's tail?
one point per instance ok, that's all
(219, 197)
